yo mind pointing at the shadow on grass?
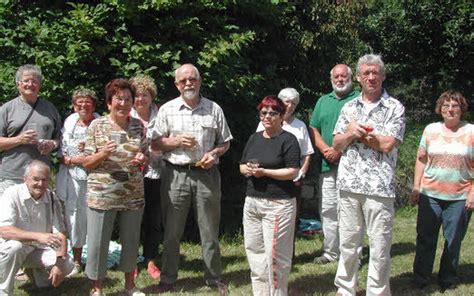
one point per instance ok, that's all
(400, 249)
(466, 273)
(402, 284)
(197, 265)
(74, 286)
(304, 258)
(195, 284)
(309, 285)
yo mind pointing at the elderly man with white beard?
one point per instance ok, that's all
(322, 124)
(193, 133)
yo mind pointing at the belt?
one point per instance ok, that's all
(188, 166)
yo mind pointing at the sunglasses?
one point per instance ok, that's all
(271, 113)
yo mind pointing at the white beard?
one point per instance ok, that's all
(189, 94)
(343, 89)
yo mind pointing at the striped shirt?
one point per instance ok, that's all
(449, 170)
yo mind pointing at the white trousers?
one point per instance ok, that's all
(76, 210)
(269, 228)
(14, 254)
(329, 204)
(376, 213)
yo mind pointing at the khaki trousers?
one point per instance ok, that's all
(269, 228)
(329, 204)
(376, 213)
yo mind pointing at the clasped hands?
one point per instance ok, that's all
(252, 169)
(31, 137)
(357, 131)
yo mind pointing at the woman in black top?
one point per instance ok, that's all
(270, 161)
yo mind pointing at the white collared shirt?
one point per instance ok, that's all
(19, 209)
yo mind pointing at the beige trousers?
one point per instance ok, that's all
(269, 228)
(376, 213)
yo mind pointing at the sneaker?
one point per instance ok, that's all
(133, 292)
(164, 287)
(220, 285)
(76, 270)
(321, 260)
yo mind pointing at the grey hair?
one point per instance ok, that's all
(28, 68)
(36, 164)
(349, 71)
(84, 92)
(195, 70)
(291, 94)
(371, 59)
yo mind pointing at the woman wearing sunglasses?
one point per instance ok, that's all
(270, 161)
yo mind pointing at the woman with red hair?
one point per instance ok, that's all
(270, 161)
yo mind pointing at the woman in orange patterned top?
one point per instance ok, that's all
(442, 188)
(115, 148)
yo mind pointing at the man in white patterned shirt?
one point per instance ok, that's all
(368, 132)
(193, 133)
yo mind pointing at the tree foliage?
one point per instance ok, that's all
(244, 50)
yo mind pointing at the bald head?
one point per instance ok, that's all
(188, 83)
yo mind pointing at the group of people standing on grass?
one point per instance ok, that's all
(120, 170)
(141, 167)
(358, 135)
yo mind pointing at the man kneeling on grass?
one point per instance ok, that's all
(32, 232)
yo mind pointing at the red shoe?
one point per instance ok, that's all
(136, 272)
(153, 270)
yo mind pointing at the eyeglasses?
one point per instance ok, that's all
(183, 81)
(271, 113)
(86, 103)
(30, 81)
(454, 107)
(122, 100)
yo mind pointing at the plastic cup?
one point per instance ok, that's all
(116, 137)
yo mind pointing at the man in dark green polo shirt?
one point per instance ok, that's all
(322, 124)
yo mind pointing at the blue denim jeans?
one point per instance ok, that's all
(454, 218)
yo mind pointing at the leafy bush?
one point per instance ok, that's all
(406, 161)
(244, 50)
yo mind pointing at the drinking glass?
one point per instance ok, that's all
(253, 164)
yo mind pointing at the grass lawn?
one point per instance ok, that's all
(306, 278)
